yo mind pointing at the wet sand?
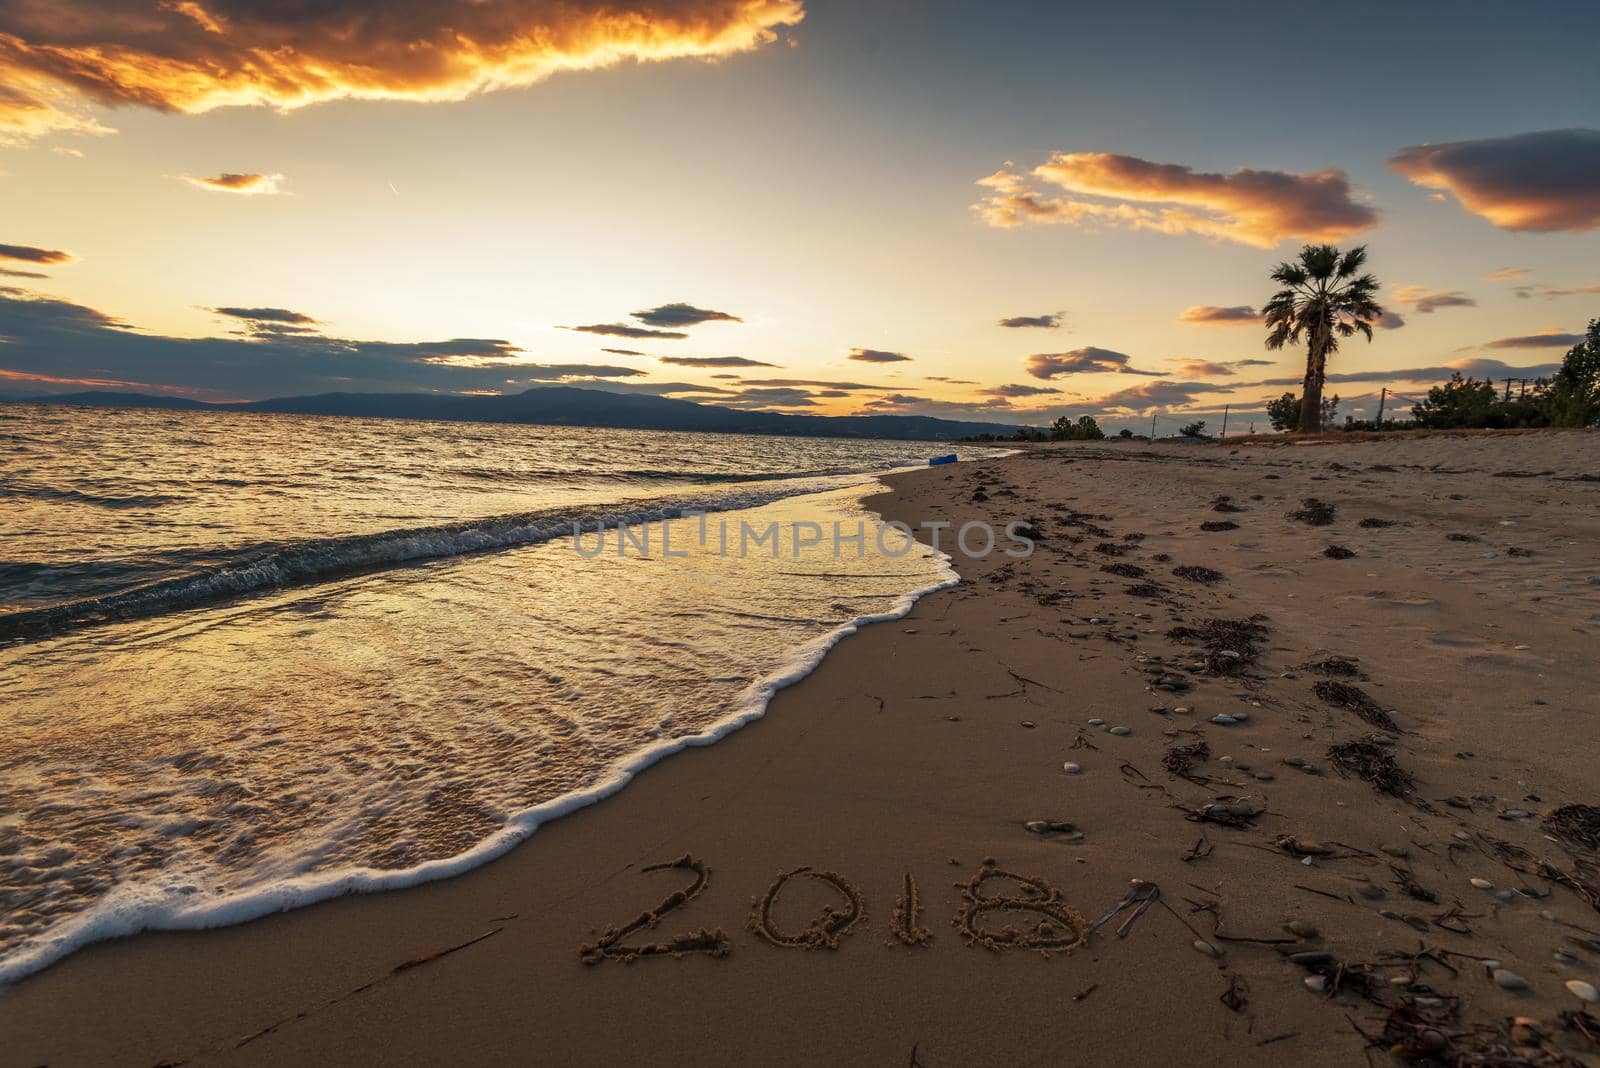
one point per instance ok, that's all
(927, 746)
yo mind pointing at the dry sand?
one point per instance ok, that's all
(925, 746)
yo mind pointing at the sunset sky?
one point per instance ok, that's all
(999, 211)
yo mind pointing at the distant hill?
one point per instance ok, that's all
(565, 406)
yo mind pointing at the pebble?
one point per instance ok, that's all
(1121, 731)
(1241, 716)
(1264, 776)
(1505, 895)
(1222, 719)
(1317, 984)
(1483, 884)
(1070, 768)
(1295, 762)
(1563, 957)
(1582, 990)
(1302, 929)
(1372, 893)
(1509, 980)
(1207, 948)
(1028, 723)
(1182, 710)
(1097, 723)
(1310, 958)
(1396, 851)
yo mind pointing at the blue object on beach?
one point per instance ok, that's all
(937, 460)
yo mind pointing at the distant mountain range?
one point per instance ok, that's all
(561, 406)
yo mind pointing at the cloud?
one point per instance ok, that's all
(714, 361)
(949, 381)
(877, 356)
(1016, 390)
(72, 342)
(1211, 315)
(1559, 291)
(1079, 361)
(29, 254)
(682, 315)
(1540, 182)
(1507, 274)
(196, 55)
(1551, 338)
(267, 315)
(624, 352)
(624, 330)
(812, 382)
(6, 272)
(1162, 394)
(1192, 368)
(1427, 301)
(771, 397)
(1253, 207)
(1051, 321)
(1473, 366)
(242, 184)
(1390, 321)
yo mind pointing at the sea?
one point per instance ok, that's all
(252, 661)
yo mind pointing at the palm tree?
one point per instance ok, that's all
(1322, 300)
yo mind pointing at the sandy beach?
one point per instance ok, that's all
(1321, 879)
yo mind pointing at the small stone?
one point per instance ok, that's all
(1483, 884)
(1207, 948)
(1583, 991)
(1182, 710)
(1505, 895)
(1310, 958)
(1122, 731)
(1317, 984)
(1396, 851)
(1222, 719)
(1372, 893)
(1097, 723)
(1302, 929)
(1264, 776)
(1492, 965)
(1295, 762)
(1509, 980)
(1306, 861)
(1241, 716)
(1070, 768)
(1028, 723)
(1569, 959)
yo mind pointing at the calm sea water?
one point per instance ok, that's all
(251, 661)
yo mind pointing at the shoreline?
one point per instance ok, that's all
(922, 747)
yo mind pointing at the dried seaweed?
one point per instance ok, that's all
(1371, 762)
(1374, 523)
(1110, 548)
(1148, 590)
(1133, 571)
(1195, 573)
(1216, 525)
(1338, 552)
(1340, 666)
(1181, 759)
(1577, 825)
(1224, 503)
(1230, 643)
(1313, 512)
(1358, 701)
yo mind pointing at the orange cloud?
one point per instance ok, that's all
(1259, 208)
(196, 55)
(1427, 300)
(242, 184)
(1211, 315)
(1542, 181)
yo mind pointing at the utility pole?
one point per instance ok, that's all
(1152, 426)
(1224, 433)
(1524, 394)
(1382, 397)
(1508, 389)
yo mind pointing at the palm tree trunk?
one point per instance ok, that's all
(1311, 391)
